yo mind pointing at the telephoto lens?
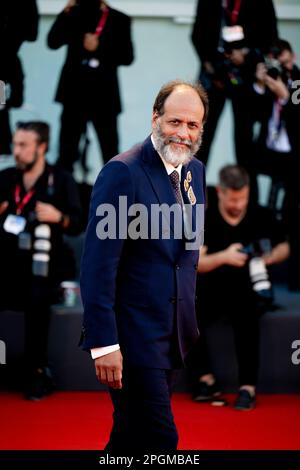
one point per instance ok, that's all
(41, 254)
(260, 279)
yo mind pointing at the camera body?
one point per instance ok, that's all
(257, 248)
(274, 68)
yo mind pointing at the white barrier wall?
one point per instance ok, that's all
(163, 51)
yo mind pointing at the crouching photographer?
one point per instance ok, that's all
(38, 204)
(241, 241)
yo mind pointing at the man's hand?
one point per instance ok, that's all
(208, 67)
(233, 257)
(109, 369)
(3, 206)
(91, 42)
(261, 73)
(47, 213)
(277, 87)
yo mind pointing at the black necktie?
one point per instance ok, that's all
(174, 177)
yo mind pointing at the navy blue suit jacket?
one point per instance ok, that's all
(140, 293)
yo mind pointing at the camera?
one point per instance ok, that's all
(259, 276)
(274, 69)
(257, 248)
(42, 248)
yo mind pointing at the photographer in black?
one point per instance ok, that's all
(276, 151)
(230, 285)
(99, 40)
(256, 21)
(18, 23)
(38, 204)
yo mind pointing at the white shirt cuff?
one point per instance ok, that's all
(98, 352)
(259, 89)
(283, 101)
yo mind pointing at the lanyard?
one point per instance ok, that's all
(102, 22)
(235, 12)
(277, 114)
(22, 203)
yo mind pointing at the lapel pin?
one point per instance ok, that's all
(186, 185)
(191, 196)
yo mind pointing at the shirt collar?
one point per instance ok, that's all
(169, 168)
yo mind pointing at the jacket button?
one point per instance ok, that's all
(173, 300)
(177, 267)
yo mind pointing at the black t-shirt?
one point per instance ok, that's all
(229, 283)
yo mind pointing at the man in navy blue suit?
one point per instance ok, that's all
(139, 271)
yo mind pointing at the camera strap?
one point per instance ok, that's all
(21, 203)
(276, 119)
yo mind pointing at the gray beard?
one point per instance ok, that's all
(172, 156)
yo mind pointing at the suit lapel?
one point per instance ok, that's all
(158, 176)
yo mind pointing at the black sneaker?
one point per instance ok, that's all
(204, 392)
(245, 401)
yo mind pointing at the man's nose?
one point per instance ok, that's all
(182, 131)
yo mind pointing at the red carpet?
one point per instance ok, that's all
(82, 420)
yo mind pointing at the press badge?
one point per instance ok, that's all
(233, 33)
(14, 224)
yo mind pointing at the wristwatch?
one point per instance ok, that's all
(62, 219)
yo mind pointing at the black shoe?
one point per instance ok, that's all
(40, 385)
(204, 392)
(245, 401)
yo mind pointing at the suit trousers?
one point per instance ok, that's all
(74, 121)
(37, 323)
(142, 418)
(242, 122)
(5, 134)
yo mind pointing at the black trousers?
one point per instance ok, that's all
(74, 120)
(5, 133)
(37, 321)
(33, 297)
(245, 323)
(142, 418)
(282, 167)
(242, 123)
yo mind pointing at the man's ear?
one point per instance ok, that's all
(43, 147)
(155, 116)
